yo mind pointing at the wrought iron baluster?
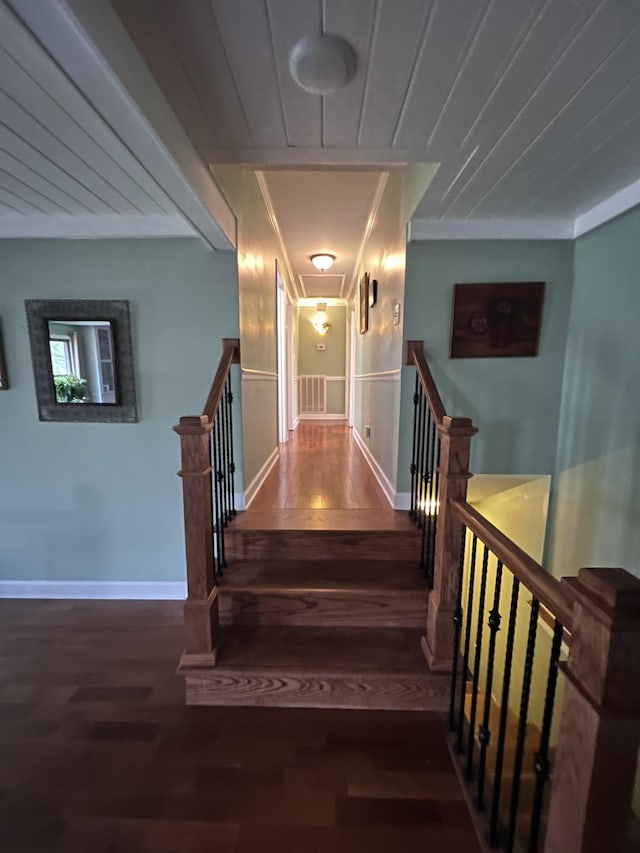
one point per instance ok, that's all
(433, 497)
(225, 447)
(492, 835)
(426, 478)
(423, 454)
(217, 535)
(222, 450)
(414, 456)
(484, 734)
(522, 725)
(467, 644)
(219, 480)
(476, 666)
(457, 626)
(420, 450)
(232, 464)
(541, 764)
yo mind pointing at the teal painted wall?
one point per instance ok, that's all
(515, 402)
(102, 501)
(595, 518)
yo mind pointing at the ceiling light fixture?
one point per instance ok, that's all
(322, 261)
(323, 63)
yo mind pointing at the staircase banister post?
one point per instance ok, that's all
(437, 644)
(599, 735)
(201, 606)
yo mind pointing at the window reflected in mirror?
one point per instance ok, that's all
(83, 361)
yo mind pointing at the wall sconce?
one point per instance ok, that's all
(323, 261)
(320, 322)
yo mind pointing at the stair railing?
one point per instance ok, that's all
(208, 489)
(545, 686)
(441, 448)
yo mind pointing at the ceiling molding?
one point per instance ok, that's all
(608, 209)
(94, 227)
(291, 280)
(89, 43)
(377, 198)
(491, 229)
(371, 158)
(322, 277)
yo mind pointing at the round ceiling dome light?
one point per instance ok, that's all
(323, 261)
(322, 64)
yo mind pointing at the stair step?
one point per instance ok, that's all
(375, 594)
(320, 667)
(298, 544)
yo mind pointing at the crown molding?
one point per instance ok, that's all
(491, 229)
(373, 214)
(290, 284)
(608, 209)
(93, 227)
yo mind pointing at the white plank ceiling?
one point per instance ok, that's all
(63, 171)
(531, 107)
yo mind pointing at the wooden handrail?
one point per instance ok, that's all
(549, 591)
(230, 355)
(415, 355)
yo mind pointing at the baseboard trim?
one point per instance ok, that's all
(295, 424)
(325, 416)
(254, 486)
(100, 590)
(240, 501)
(402, 500)
(378, 473)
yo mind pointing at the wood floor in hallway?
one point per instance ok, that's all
(100, 754)
(321, 481)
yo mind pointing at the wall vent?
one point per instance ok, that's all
(313, 395)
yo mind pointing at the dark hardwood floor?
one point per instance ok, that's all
(98, 753)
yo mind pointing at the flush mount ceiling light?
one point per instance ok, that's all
(322, 261)
(322, 64)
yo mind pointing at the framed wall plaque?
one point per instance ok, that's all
(496, 320)
(364, 303)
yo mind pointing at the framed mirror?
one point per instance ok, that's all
(82, 358)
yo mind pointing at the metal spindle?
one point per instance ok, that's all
(467, 644)
(420, 453)
(542, 764)
(492, 836)
(426, 479)
(222, 443)
(432, 498)
(476, 666)
(484, 734)
(232, 464)
(225, 444)
(522, 725)
(216, 505)
(412, 511)
(457, 626)
(421, 467)
(220, 479)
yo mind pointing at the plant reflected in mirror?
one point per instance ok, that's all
(82, 361)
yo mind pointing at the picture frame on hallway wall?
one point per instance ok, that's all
(4, 378)
(364, 303)
(496, 319)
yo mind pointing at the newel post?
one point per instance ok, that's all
(455, 436)
(595, 767)
(201, 606)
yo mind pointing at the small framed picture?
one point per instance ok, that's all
(364, 303)
(373, 292)
(4, 379)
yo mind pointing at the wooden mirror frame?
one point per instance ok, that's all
(39, 313)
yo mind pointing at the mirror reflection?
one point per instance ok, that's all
(82, 361)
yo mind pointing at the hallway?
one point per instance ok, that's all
(320, 481)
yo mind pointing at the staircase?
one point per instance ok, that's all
(321, 618)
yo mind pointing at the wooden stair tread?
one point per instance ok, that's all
(326, 650)
(324, 576)
(381, 669)
(356, 520)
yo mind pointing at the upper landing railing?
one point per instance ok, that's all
(545, 684)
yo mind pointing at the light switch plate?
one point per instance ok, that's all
(396, 314)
